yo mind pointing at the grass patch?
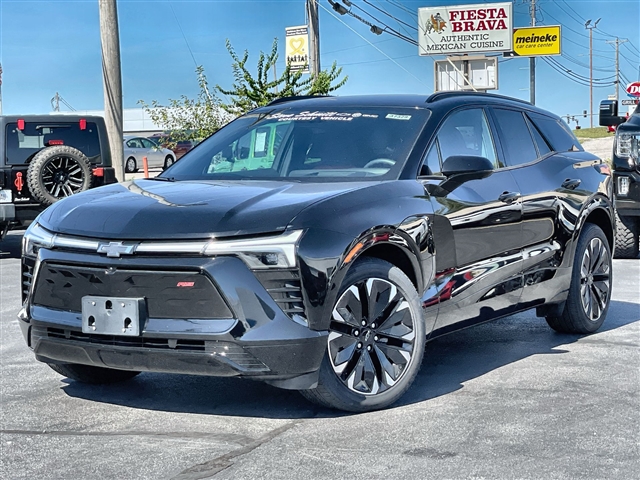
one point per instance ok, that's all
(597, 132)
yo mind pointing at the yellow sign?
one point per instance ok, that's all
(296, 48)
(534, 41)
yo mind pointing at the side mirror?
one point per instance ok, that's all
(469, 165)
(460, 169)
(608, 115)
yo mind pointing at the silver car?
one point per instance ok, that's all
(137, 147)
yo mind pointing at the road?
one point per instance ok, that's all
(508, 399)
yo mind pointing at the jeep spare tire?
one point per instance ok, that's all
(57, 172)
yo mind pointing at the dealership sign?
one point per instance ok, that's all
(486, 27)
(633, 89)
(297, 48)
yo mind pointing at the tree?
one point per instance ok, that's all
(186, 118)
(249, 92)
(196, 119)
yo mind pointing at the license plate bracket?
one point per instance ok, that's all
(112, 315)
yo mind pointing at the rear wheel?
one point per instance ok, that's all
(590, 291)
(168, 161)
(376, 340)
(626, 237)
(90, 374)
(131, 166)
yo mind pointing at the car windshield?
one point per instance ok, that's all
(370, 143)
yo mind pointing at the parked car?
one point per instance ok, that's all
(316, 244)
(626, 177)
(136, 148)
(179, 147)
(44, 158)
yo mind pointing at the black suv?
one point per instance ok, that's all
(316, 244)
(44, 158)
(626, 177)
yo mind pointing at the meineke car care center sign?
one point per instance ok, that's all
(487, 27)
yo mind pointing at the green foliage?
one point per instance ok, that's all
(186, 118)
(196, 119)
(249, 92)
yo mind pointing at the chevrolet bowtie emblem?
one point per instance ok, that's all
(115, 249)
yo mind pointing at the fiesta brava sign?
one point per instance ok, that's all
(486, 27)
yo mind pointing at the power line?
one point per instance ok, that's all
(402, 7)
(389, 15)
(354, 31)
(374, 28)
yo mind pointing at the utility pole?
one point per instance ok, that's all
(314, 36)
(617, 42)
(0, 89)
(590, 27)
(532, 60)
(112, 79)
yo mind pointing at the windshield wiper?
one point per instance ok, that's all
(163, 179)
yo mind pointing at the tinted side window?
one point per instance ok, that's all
(541, 143)
(466, 132)
(515, 137)
(556, 132)
(431, 164)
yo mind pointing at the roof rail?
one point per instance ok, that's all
(294, 98)
(448, 94)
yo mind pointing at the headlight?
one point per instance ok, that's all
(35, 238)
(626, 145)
(265, 252)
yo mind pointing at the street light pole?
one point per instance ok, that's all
(590, 27)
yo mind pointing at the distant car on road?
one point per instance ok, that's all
(179, 147)
(135, 148)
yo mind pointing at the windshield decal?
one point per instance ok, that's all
(394, 116)
(339, 116)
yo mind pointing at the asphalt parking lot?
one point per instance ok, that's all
(509, 399)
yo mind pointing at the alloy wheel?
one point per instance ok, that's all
(371, 339)
(595, 279)
(62, 176)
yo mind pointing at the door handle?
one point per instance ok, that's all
(509, 197)
(571, 183)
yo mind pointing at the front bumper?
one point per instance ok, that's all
(258, 340)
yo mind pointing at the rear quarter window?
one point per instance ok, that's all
(555, 132)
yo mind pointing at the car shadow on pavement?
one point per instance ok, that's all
(449, 362)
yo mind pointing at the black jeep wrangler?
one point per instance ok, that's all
(44, 158)
(626, 176)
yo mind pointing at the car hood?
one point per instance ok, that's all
(186, 209)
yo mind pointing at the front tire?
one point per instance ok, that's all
(626, 237)
(90, 374)
(376, 340)
(590, 291)
(168, 161)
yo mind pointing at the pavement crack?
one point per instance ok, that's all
(212, 467)
(220, 437)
